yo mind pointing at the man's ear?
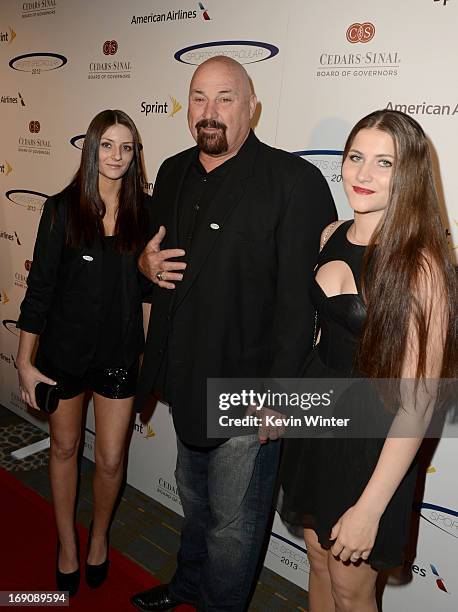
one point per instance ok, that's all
(253, 104)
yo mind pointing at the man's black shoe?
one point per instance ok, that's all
(157, 598)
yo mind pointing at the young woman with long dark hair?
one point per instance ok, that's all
(385, 294)
(84, 302)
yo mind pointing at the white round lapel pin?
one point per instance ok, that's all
(88, 258)
(214, 226)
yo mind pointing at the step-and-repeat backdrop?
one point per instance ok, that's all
(317, 67)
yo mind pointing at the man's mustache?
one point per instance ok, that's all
(210, 123)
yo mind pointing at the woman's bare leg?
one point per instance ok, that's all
(112, 418)
(353, 585)
(320, 592)
(65, 433)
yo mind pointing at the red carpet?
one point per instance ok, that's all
(28, 549)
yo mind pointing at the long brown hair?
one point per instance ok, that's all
(409, 240)
(88, 209)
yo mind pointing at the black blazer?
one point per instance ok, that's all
(63, 300)
(243, 306)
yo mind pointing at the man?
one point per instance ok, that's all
(246, 219)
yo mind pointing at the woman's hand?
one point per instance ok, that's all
(29, 377)
(354, 534)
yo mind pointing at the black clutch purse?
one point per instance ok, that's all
(47, 397)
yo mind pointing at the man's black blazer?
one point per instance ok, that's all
(64, 295)
(243, 306)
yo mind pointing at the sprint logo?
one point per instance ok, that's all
(140, 429)
(150, 433)
(8, 36)
(176, 106)
(161, 108)
(5, 168)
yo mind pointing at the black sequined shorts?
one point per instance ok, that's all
(113, 383)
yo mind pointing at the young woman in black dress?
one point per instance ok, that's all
(84, 302)
(385, 296)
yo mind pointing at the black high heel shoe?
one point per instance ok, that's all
(68, 581)
(96, 574)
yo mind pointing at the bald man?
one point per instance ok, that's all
(237, 228)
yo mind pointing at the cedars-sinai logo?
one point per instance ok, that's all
(110, 47)
(20, 278)
(360, 32)
(107, 66)
(36, 145)
(38, 8)
(34, 127)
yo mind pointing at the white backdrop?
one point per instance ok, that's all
(315, 71)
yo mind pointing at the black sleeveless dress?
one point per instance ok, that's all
(322, 477)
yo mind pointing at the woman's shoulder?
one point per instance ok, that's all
(147, 200)
(147, 207)
(62, 199)
(55, 207)
(329, 230)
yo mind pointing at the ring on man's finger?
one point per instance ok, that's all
(160, 276)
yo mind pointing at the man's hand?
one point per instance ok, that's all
(153, 263)
(271, 427)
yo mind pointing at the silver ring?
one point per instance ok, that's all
(159, 276)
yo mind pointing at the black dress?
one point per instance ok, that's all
(322, 477)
